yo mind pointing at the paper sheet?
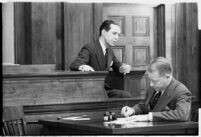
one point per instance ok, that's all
(120, 121)
(128, 123)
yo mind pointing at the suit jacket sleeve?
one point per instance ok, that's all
(141, 107)
(81, 59)
(180, 108)
(116, 64)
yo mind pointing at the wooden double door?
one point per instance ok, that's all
(135, 45)
(136, 42)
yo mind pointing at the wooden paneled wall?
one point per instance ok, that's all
(53, 33)
(19, 17)
(81, 26)
(97, 19)
(60, 36)
(185, 45)
(35, 33)
(160, 25)
(43, 33)
(28, 69)
(78, 21)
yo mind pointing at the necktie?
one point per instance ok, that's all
(106, 56)
(155, 100)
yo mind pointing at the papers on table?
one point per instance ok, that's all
(127, 123)
(120, 121)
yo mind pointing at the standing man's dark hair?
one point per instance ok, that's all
(106, 25)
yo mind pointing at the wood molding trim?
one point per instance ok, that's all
(161, 47)
(97, 19)
(65, 74)
(78, 107)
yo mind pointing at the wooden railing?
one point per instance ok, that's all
(53, 88)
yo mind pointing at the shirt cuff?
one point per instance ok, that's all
(80, 67)
(150, 115)
(133, 112)
(120, 69)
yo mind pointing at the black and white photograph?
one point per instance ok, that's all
(111, 67)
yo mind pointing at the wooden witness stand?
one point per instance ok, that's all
(53, 88)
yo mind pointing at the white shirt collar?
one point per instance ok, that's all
(103, 47)
(158, 91)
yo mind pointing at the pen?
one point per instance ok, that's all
(126, 109)
(126, 112)
(126, 103)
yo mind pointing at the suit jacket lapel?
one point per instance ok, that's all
(166, 97)
(150, 94)
(99, 55)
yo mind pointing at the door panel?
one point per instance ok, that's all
(136, 42)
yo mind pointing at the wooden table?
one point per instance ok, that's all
(95, 126)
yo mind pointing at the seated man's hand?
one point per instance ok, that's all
(127, 111)
(125, 68)
(85, 68)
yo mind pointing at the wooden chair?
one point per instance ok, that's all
(13, 121)
(194, 109)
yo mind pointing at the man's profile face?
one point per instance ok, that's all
(159, 83)
(111, 36)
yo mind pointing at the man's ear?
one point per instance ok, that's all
(103, 31)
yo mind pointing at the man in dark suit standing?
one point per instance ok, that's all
(99, 56)
(166, 99)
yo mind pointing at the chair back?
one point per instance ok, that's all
(195, 105)
(13, 121)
